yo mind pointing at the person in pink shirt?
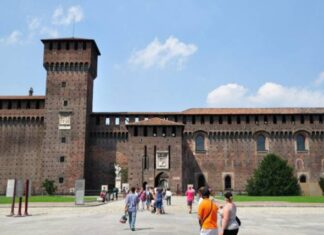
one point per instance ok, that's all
(190, 194)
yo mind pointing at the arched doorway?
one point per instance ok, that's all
(201, 181)
(228, 182)
(144, 185)
(302, 179)
(161, 180)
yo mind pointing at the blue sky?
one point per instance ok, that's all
(172, 55)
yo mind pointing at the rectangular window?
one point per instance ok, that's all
(220, 120)
(283, 119)
(145, 163)
(164, 131)
(174, 131)
(292, 119)
(202, 120)
(247, 119)
(97, 121)
(176, 118)
(256, 119)
(84, 45)
(265, 119)
(229, 120)
(145, 131)
(117, 121)
(65, 103)
(193, 120)
(63, 140)
(135, 131)
(302, 119)
(61, 180)
(63, 84)
(62, 159)
(136, 119)
(311, 119)
(274, 119)
(238, 120)
(211, 119)
(320, 119)
(126, 120)
(154, 131)
(184, 119)
(107, 121)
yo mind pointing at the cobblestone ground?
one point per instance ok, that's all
(104, 219)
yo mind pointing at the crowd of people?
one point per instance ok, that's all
(213, 218)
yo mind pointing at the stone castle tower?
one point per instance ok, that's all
(71, 66)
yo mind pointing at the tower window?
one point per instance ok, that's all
(50, 46)
(154, 131)
(320, 119)
(164, 131)
(283, 119)
(84, 45)
(75, 45)
(174, 131)
(200, 143)
(261, 143)
(220, 120)
(311, 119)
(145, 131)
(117, 121)
(63, 84)
(274, 119)
(193, 120)
(61, 180)
(247, 120)
(135, 131)
(265, 119)
(67, 46)
(58, 46)
(202, 120)
(65, 103)
(302, 119)
(63, 140)
(238, 119)
(300, 141)
(229, 119)
(107, 121)
(62, 158)
(211, 119)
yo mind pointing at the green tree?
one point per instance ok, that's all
(274, 177)
(124, 175)
(321, 184)
(49, 187)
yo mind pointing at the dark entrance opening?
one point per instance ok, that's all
(201, 181)
(228, 182)
(302, 179)
(161, 180)
(144, 185)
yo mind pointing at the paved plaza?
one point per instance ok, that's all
(104, 219)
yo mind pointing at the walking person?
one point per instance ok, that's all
(230, 225)
(159, 201)
(190, 194)
(131, 207)
(168, 195)
(207, 215)
(142, 197)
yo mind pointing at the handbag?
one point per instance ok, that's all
(238, 220)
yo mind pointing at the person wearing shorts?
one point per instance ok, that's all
(190, 194)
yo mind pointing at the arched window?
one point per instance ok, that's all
(261, 143)
(200, 143)
(228, 182)
(302, 179)
(300, 140)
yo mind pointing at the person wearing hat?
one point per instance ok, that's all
(207, 214)
(230, 225)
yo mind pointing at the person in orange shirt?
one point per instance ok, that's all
(207, 215)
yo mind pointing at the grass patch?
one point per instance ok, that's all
(295, 199)
(8, 200)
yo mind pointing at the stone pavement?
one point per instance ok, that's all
(104, 219)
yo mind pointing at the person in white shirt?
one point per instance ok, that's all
(168, 195)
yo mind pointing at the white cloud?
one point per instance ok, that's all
(14, 38)
(268, 95)
(49, 32)
(320, 79)
(34, 23)
(73, 14)
(159, 55)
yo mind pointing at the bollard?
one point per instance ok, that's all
(19, 208)
(13, 201)
(26, 198)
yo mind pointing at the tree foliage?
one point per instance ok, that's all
(49, 187)
(273, 177)
(124, 175)
(321, 184)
